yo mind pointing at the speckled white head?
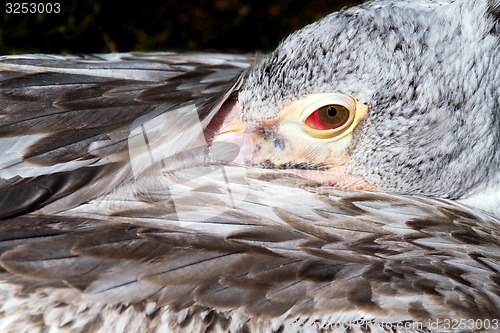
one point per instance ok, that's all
(429, 72)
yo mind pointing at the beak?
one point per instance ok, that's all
(233, 126)
(227, 127)
(229, 120)
(226, 121)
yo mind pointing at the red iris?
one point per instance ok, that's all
(328, 117)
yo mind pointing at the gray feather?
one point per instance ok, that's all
(114, 212)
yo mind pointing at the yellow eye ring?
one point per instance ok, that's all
(331, 116)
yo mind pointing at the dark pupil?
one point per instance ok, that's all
(332, 112)
(333, 115)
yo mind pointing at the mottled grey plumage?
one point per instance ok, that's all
(119, 211)
(429, 72)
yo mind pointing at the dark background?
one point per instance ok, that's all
(87, 26)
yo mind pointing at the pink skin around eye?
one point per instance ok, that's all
(314, 122)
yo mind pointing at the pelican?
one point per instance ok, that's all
(348, 181)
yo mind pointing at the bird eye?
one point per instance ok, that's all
(328, 117)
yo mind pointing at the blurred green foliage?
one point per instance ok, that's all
(88, 26)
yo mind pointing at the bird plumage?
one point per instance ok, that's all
(428, 124)
(122, 207)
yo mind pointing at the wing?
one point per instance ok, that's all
(116, 213)
(234, 249)
(68, 122)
